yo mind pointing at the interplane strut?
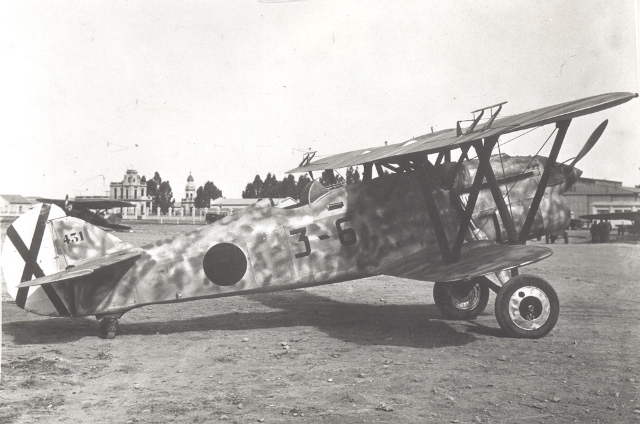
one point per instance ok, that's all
(562, 126)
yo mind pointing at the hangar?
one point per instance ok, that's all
(592, 196)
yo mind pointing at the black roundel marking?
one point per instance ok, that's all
(224, 264)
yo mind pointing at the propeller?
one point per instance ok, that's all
(568, 174)
(591, 141)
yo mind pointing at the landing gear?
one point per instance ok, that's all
(108, 327)
(527, 307)
(462, 300)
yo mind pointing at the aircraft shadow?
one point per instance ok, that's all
(417, 325)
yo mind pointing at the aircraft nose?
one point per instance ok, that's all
(561, 174)
(578, 172)
(571, 176)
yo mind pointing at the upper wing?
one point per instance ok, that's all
(480, 258)
(57, 202)
(101, 204)
(631, 216)
(449, 139)
(89, 203)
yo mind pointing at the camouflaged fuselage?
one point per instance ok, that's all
(348, 233)
(344, 233)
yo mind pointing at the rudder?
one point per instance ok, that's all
(45, 241)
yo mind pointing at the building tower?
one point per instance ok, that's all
(188, 203)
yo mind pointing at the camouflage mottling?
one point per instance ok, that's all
(393, 231)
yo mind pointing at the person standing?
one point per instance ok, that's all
(607, 231)
(602, 229)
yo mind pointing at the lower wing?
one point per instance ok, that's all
(477, 258)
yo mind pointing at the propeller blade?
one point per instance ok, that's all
(593, 139)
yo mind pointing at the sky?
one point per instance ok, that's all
(226, 90)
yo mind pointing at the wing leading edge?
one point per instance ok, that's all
(630, 216)
(478, 258)
(89, 203)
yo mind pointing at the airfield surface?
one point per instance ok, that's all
(374, 350)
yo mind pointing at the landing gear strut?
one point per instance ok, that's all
(108, 327)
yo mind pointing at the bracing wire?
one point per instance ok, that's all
(524, 169)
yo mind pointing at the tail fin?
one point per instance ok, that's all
(45, 241)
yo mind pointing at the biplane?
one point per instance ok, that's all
(81, 209)
(634, 217)
(420, 213)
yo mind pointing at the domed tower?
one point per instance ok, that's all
(190, 188)
(190, 195)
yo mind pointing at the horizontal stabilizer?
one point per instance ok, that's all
(118, 259)
(477, 258)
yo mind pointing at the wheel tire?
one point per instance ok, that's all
(462, 300)
(527, 307)
(108, 328)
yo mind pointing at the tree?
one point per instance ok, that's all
(252, 190)
(271, 187)
(287, 187)
(161, 194)
(211, 191)
(165, 197)
(353, 176)
(152, 190)
(199, 201)
(303, 181)
(328, 178)
(204, 195)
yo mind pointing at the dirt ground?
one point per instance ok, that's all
(374, 350)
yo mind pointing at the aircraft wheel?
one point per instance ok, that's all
(527, 307)
(462, 300)
(108, 327)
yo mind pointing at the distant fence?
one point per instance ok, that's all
(174, 220)
(171, 220)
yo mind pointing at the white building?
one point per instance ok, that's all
(132, 189)
(13, 204)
